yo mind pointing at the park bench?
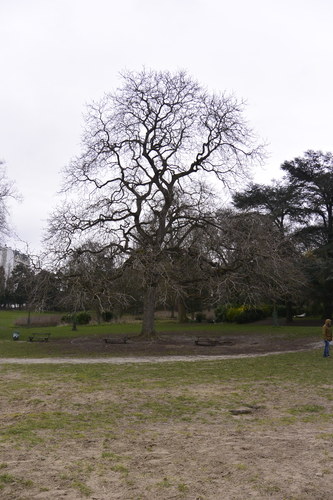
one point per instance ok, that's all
(116, 340)
(204, 341)
(39, 337)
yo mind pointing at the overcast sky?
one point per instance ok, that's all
(57, 56)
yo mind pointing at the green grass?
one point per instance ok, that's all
(10, 479)
(305, 367)
(8, 319)
(176, 399)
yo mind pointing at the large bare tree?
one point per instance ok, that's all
(255, 262)
(239, 258)
(139, 187)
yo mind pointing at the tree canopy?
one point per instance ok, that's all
(139, 186)
(312, 174)
(302, 206)
(282, 202)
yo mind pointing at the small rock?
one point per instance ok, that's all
(241, 411)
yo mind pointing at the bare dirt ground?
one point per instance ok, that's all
(258, 451)
(180, 345)
(184, 345)
(169, 347)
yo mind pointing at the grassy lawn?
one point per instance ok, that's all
(146, 431)
(167, 430)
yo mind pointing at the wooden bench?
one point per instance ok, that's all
(39, 337)
(116, 340)
(204, 341)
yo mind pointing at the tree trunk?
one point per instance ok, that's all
(182, 318)
(327, 308)
(148, 322)
(275, 316)
(289, 312)
(74, 323)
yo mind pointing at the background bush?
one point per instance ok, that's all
(107, 316)
(250, 315)
(241, 314)
(38, 320)
(199, 317)
(81, 318)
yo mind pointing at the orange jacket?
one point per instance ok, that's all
(327, 332)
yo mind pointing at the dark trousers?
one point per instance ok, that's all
(326, 348)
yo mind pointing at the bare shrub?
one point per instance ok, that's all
(45, 320)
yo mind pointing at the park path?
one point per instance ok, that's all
(142, 359)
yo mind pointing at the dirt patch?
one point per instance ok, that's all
(207, 454)
(261, 441)
(169, 347)
(185, 345)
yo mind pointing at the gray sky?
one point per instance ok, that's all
(58, 55)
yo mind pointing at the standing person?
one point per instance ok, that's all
(327, 336)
